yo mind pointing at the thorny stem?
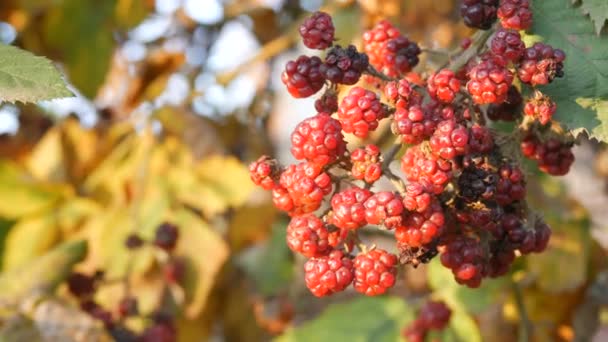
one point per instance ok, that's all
(479, 41)
(389, 156)
(372, 71)
(525, 325)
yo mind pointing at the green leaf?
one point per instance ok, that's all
(28, 78)
(269, 265)
(461, 297)
(582, 95)
(81, 30)
(42, 274)
(462, 328)
(598, 11)
(377, 319)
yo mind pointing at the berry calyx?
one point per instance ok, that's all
(317, 31)
(303, 77)
(375, 272)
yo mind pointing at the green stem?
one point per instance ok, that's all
(525, 326)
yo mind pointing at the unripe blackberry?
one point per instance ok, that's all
(540, 107)
(413, 124)
(489, 82)
(308, 236)
(389, 51)
(443, 86)
(508, 44)
(366, 163)
(479, 14)
(435, 315)
(464, 256)
(306, 184)
(264, 172)
(426, 168)
(281, 199)
(375, 272)
(421, 228)
(166, 236)
(347, 207)
(542, 235)
(480, 139)
(360, 111)
(509, 110)
(317, 31)
(552, 156)
(344, 65)
(318, 139)
(385, 208)
(449, 140)
(511, 185)
(541, 64)
(515, 14)
(303, 77)
(329, 274)
(417, 197)
(402, 94)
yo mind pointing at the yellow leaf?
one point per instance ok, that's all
(227, 177)
(20, 196)
(129, 13)
(73, 213)
(205, 250)
(249, 224)
(46, 161)
(29, 238)
(80, 149)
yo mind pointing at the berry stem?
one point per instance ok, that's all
(373, 72)
(464, 55)
(389, 156)
(525, 325)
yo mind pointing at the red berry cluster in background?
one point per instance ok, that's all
(461, 193)
(434, 315)
(161, 327)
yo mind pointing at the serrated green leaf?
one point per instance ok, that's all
(28, 78)
(461, 297)
(582, 95)
(598, 11)
(377, 319)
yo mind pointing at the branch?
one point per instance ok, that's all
(525, 326)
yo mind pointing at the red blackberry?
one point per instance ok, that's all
(375, 272)
(306, 185)
(501, 257)
(422, 228)
(303, 77)
(98, 312)
(328, 274)
(435, 315)
(318, 139)
(366, 163)
(464, 256)
(443, 86)
(281, 199)
(552, 156)
(308, 236)
(510, 186)
(344, 66)
(174, 270)
(317, 31)
(508, 44)
(509, 110)
(413, 125)
(515, 14)
(540, 107)
(328, 103)
(166, 236)
(479, 14)
(426, 169)
(389, 51)
(480, 139)
(360, 112)
(541, 64)
(264, 172)
(402, 94)
(385, 208)
(347, 207)
(417, 197)
(489, 82)
(449, 140)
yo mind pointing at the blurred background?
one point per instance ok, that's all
(173, 99)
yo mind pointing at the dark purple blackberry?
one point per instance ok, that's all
(344, 65)
(317, 31)
(166, 236)
(509, 110)
(133, 241)
(479, 14)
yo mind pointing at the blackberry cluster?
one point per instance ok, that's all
(460, 195)
(317, 31)
(434, 315)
